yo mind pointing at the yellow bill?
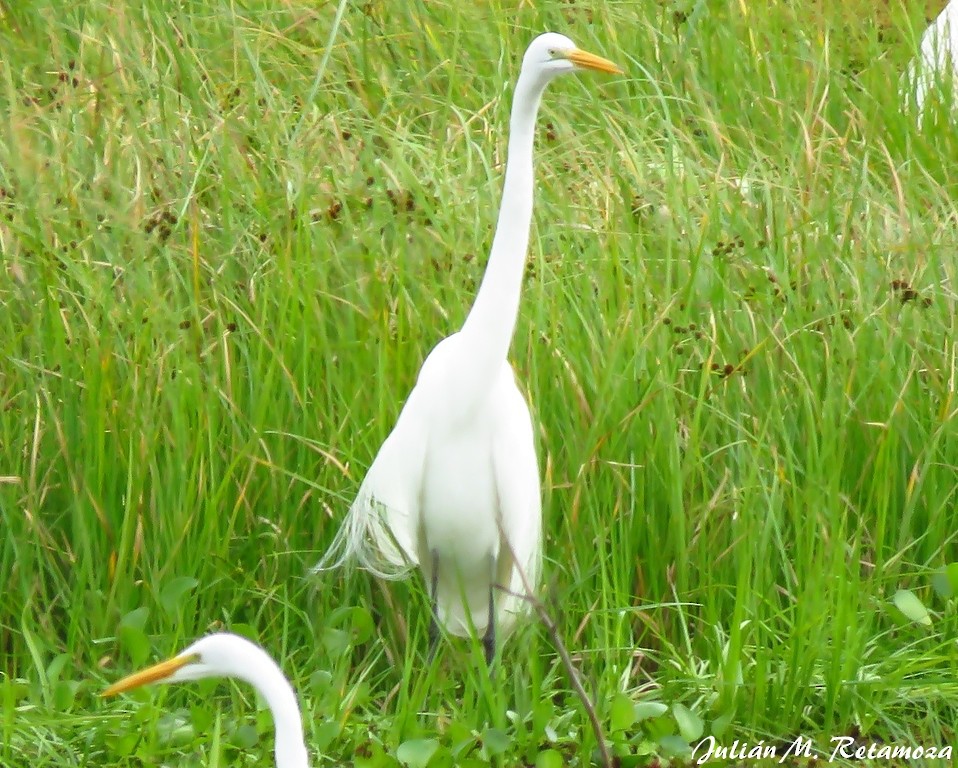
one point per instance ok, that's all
(153, 674)
(588, 60)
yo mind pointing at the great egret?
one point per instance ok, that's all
(227, 655)
(937, 59)
(459, 470)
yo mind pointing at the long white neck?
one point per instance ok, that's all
(492, 319)
(280, 697)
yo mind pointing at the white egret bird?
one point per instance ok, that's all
(937, 60)
(459, 470)
(227, 655)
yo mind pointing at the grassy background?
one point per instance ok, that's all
(231, 232)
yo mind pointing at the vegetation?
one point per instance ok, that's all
(232, 231)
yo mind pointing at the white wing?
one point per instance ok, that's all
(520, 502)
(379, 531)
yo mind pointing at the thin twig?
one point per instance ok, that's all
(573, 673)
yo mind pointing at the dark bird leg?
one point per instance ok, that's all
(434, 606)
(489, 638)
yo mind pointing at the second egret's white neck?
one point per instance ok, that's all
(492, 319)
(264, 675)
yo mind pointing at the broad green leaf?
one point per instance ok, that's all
(674, 746)
(204, 719)
(376, 757)
(64, 693)
(908, 603)
(246, 630)
(951, 571)
(325, 733)
(463, 741)
(245, 736)
(721, 723)
(363, 626)
(174, 729)
(645, 710)
(17, 690)
(55, 667)
(346, 628)
(124, 744)
(321, 680)
(542, 714)
(135, 618)
(416, 753)
(549, 758)
(622, 715)
(172, 595)
(132, 638)
(495, 741)
(657, 727)
(644, 748)
(941, 585)
(335, 641)
(690, 724)
(945, 581)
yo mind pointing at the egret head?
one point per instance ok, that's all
(218, 655)
(552, 54)
(227, 655)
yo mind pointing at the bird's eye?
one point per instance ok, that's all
(552, 52)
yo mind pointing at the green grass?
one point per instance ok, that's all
(231, 232)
